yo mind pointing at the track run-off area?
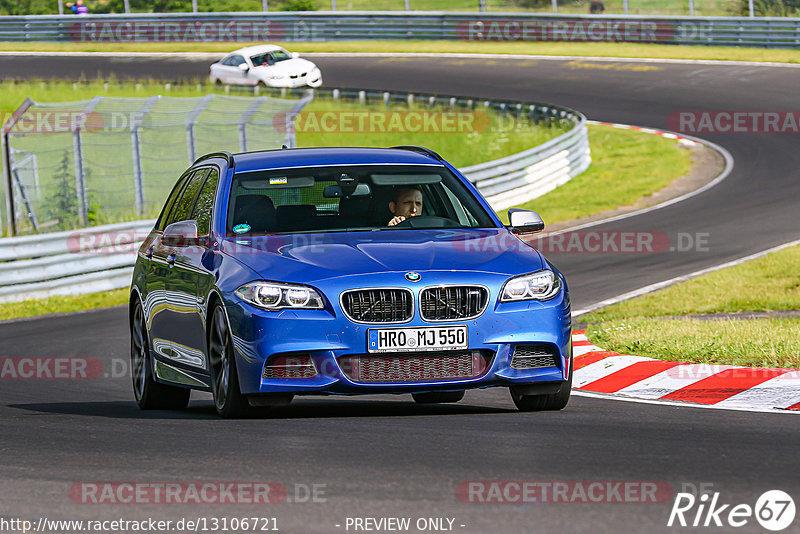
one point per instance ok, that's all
(384, 456)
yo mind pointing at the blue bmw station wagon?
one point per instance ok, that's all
(342, 271)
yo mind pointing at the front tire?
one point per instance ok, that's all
(149, 394)
(438, 397)
(228, 399)
(547, 402)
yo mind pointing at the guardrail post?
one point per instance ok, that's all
(80, 179)
(291, 137)
(8, 185)
(80, 175)
(24, 196)
(127, 6)
(386, 99)
(136, 152)
(245, 118)
(191, 142)
(5, 146)
(362, 97)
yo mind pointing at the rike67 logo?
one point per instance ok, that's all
(774, 510)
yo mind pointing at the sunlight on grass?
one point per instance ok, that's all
(751, 343)
(768, 283)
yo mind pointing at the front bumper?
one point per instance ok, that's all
(327, 335)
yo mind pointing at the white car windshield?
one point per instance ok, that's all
(269, 58)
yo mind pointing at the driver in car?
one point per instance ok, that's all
(406, 202)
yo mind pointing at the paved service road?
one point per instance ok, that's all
(384, 456)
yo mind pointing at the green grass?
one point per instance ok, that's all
(752, 343)
(65, 304)
(484, 135)
(768, 283)
(625, 50)
(623, 171)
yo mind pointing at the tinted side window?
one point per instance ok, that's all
(183, 209)
(176, 191)
(205, 203)
(236, 60)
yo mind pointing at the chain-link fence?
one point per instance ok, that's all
(76, 164)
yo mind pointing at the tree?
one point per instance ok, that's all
(62, 204)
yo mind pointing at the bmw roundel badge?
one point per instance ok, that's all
(413, 277)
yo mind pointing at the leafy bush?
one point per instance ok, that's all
(298, 5)
(770, 8)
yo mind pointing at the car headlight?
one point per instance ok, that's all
(272, 296)
(540, 285)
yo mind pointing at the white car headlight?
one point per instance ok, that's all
(540, 285)
(272, 296)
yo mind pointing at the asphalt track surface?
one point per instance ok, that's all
(384, 456)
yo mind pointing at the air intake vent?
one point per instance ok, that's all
(416, 366)
(290, 366)
(377, 306)
(533, 357)
(453, 303)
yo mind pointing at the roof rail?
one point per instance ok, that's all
(227, 156)
(420, 150)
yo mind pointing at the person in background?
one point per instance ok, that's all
(78, 8)
(596, 7)
(406, 202)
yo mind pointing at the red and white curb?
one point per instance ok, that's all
(669, 135)
(718, 386)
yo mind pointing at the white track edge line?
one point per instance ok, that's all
(726, 171)
(454, 55)
(614, 397)
(660, 285)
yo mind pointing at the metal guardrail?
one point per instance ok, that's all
(365, 25)
(71, 262)
(101, 258)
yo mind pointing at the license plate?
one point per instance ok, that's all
(417, 339)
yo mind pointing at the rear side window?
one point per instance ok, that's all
(183, 209)
(233, 61)
(173, 196)
(204, 206)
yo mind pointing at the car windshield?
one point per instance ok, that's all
(351, 198)
(270, 58)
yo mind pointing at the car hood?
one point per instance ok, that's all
(289, 66)
(313, 257)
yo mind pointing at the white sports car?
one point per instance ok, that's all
(265, 65)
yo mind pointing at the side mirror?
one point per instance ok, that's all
(295, 55)
(180, 234)
(243, 67)
(524, 221)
